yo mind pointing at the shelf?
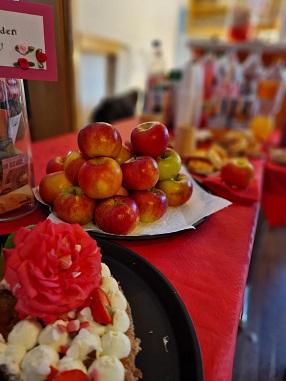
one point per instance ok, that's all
(216, 45)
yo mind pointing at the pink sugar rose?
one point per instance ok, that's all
(52, 269)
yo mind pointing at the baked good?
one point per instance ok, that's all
(63, 316)
(218, 156)
(207, 161)
(15, 199)
(240, 143)
(278, 155)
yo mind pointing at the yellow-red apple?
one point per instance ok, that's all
(152, 204)
(72, 165)
(140, 173)
(178, 189)
(150, 139)
(99, 139)
(117, 215)
(52, 184)
(124, 155)
(55, 164)
(73, 206)
(238, 172)
(122, 192)
(100, 177)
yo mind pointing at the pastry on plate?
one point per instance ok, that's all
(218, 156)
(278, 155)
(200, 163)
(63, 317)
(207, 161)
(240, 143)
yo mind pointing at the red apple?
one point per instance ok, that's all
(150, 139)
(128, 144)
(237, 172)
(53, 184)
(140, 173)
(152, 204)
(100, 177)
(178, 189)
(117, 215)
(72, 165)
(122, 192)
(73, 206)
(169, 163)
(124, 155)
(55, 164)
(99, 139)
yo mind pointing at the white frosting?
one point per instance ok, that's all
(108, 368)
(4, 285)
(15, 352)
(68, 363)
(115, 344)
(117, 300)
(71, 314)
(83, 344)
(12, 357)
(120, 322)
(52, 336)
(36, 363)
(109, 284)
(96, 329)
(25, 332)
(105, 270)
(2, 347)
(85, 314)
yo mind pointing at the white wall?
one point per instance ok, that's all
(135, 23)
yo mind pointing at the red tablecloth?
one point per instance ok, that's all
(208, 267)
(246, 196)
(274, 194)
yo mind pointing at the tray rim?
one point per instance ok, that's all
(171, 291)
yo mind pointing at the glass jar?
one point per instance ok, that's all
(270, 93)
(16, 169)
(239, 21)
(262, 122)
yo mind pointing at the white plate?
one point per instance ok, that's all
(200, 205)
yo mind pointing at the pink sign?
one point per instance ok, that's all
(27, 41)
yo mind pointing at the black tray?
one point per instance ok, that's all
(159, 315)
(117, 237)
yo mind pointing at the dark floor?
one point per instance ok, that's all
(261, 345)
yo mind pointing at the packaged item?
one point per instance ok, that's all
(16, 172)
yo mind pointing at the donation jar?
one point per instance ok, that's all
(16, 169)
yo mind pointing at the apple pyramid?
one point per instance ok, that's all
(116, 185)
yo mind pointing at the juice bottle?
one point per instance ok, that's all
(262, 125)
(270, 93)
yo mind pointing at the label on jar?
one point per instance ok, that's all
(14, 173)
(15, 190)
(14, 122)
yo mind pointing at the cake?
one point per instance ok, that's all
(62, 314)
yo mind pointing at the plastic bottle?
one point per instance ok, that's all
(155, 80)
(270, 92)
